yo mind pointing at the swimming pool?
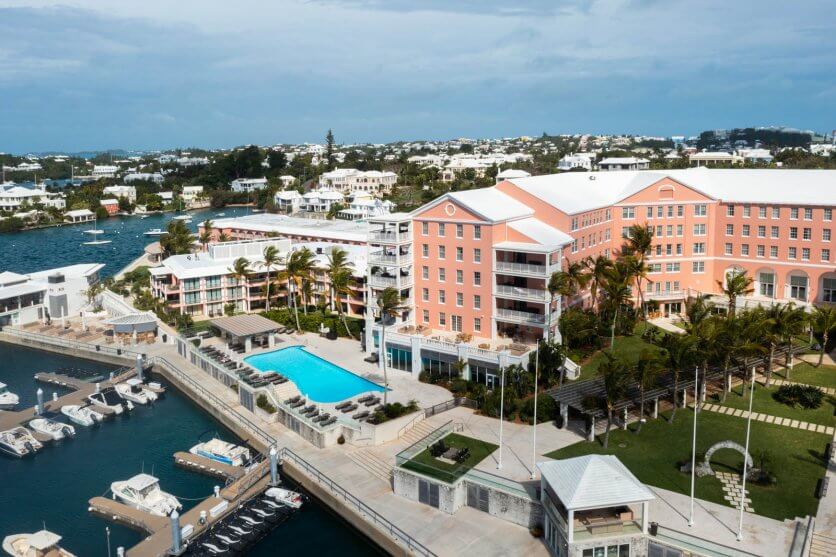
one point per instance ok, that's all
(317, 379)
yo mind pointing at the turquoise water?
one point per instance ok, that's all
(317, 379)
(54, 486)
(46, 248)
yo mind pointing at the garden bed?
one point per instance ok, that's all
(428, 465)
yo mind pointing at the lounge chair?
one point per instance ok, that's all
(372, 401)
(293, 399)
(350, 408)
(360, 415)
(329, 421)
(298, 403)
(364, 398)
(342, 405)
(322, 417)
(309, 408)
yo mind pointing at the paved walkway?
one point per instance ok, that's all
(768, 418)
(733, 490)
(667, 324)
(825, 390)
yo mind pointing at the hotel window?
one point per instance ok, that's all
(477, 301)
(425, 228)
(700, 210)
(774, 232)
(825, 254)
(793, 233)
(746, 230)
(794, 213)
(609, 214)
(459, 299)
(744, 249)
(729, 248)
(607, 235)
(676, 286)
(805, 254)
(425, 294)
(625, 232)
(426, 315)
(776, 212)
(773, 251)
(672, 267)
(798, 288)
(477, 324)
(698, 266)
(747, 211)
(574, 246)
(679, 230)
(761, 212)
(658, 249)
(442, 319)
(477, 255)
(650, 212)
(807, 234)
(660, 212)
(477, 232)
(425, 272)
(678, 249)
(459, 276)
(699, 248)
(808, 213)
(425, 250)
(791, 253)
(730, 210)
(669, 230)
(477, 278)
(441, 229)
(659, 230)
(828, 290)
(459, 231)
(761, 250)
(670, 211)
(442, 252)
(767, 284)
(574, 223)
(668, 249)
(442, 297)
(761, 232)
(828, 214)
(825, 235)
(628, 212)
(680, 210)
(654, 268)
(442, 274)
(459, 253)
(729, 230)
(699, 230)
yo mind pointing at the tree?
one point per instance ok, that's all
(271, 258)
(823, 321)
(679, 354)
(298, 270)
(781, 323)
(596, 274)
(178, 238)
(341, 286)
(223, 237)
(206, 235)
(240, 271)
(637, 245)
(338, 263)
(646, 373)
(737, 284)
(389, 304)
(329, 149)
(615, 375)
(276, 159)
(697, 310)
(559, 283)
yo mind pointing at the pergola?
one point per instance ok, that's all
(137, 326)
(242, 329)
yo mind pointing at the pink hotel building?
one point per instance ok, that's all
(477, 262)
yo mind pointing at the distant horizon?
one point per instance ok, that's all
(91, 75)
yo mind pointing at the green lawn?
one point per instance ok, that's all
(428, 465)
(629, 347)
(823, 376)
(654, 454)
(765, 404)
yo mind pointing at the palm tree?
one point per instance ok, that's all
(223, 237)
(646, 372)
(271, 259)
(206, 235)
(559, 283)
(298, 270)
(781, 322)
(679, 354)
(737, 284)
(597, 270)
(697, 310)
(338, 264)
(637, 245)
(341, 287)
(240, 270)
(617, 293)
(615, 376)
(739, 337)
(823, 321)
(389, 304)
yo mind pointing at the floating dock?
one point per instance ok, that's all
(208, 466)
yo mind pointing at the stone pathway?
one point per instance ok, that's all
(767, 418)
(733, 491)
(825, 390)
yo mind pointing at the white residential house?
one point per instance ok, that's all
(128, 192)
(755, 155)
(192, 161)
(714, 157)
(155, 177)
(104, 171)
(166, 196)
(623, 163)
(510, 174)
(288, 201)
(193, 197)
(287, 180)
(362, 205)
(12, 196)
(79, 215)
(248, 184)
(350, 180)
(321, 200)
(576, 160)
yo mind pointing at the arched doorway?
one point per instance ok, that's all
(798, 286)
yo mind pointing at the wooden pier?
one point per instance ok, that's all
(207, 466)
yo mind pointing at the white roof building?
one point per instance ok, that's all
(576, 160)
(297, 228)
(128, 192)
(248, 184)
(349, 180)
(510, 173)
(104, 171)
(144, 176)
(623, 163)
(714, 157)
(12, 196)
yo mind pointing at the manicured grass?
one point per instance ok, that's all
(654, 454)
(823, 376)
(428, 465)
(630, 347)
(765, 404)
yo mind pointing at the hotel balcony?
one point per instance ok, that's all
(381, 281)
(523, 317)
(522, 269)
(382, 257)
(521, 293)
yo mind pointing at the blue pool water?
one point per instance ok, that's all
(317, 379)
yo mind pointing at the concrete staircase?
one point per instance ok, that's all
(285, 391)
(373, 464)
(418, 432)
(822, 546)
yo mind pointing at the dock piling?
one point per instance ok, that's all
(274, 466)
(54, 396)
(218, 491)
(98, 387)
(120, 551)
(39, 409)
(139, 367)
(176, 536)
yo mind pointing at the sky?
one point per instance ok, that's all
(160, 74)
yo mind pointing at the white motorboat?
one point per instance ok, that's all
(95, 232)
(109, 398)
(221, 451)
(134, 391)
(19, 442)
(154, 232)
(221, 215)
(143, 217)
(184, 218)
(82, 415)
(39, 544)
(285, 497)
(8, 399)
(143, 492)
(51, 428)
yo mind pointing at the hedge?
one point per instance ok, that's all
(312, 321)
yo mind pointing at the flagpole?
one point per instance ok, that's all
(534, 429)
(745, 455)
(501, 411)
(694, 442)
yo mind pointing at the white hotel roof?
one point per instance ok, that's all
(593, 481)
(491, 204)
(352, 231)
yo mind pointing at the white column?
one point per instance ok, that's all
(415, 345)
(645, 521)
(570, 527)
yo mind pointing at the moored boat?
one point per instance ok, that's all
(19, 442)
(51, 428)
(285, 497)
(221, 451)
(154, 232)
(82, 415)
(40, 544)
(134, 391)
(8, 399)
(143, 492)
(109, 398)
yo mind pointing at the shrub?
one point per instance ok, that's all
(546, 409)
(393, 410)
(536, 531)
(799, 396)
(341, 440)
(264, 403)
(312, 321)
(491, 403)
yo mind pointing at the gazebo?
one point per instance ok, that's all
(136, 327)
(244, 329)
(593, 505)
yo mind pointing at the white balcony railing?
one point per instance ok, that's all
(521, 268)
(536, 294)
(378, 281)
(382, 258)
(389, 237)
(520, 316)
